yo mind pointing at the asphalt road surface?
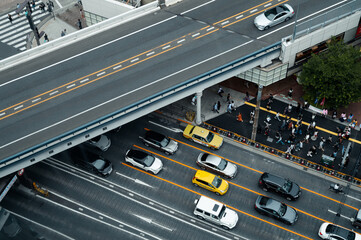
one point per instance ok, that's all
(133, 204)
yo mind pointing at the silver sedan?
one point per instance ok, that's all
(274, 16)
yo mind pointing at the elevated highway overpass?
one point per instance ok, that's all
(101, 81)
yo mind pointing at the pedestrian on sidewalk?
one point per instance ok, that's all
(343, 117)
(306, 105)
(324, 112)
(334, 114)
(290, 149)
(215, 107)
(228, 100)
(321, 144)
(17, 8)
(277, 116)
(329, 139)
(354, 123)
(10, 18)
(80, 26)
(42, 7)
(246, 98)
(239, 117)
(289, 109)
(270, 99)
(349, 119)
(63, 33)
(33, 5)
(290, 92)
(46, 39)
(278, 135)
(307, 137)
(251, 114)
(283, 126)
(220, 90)
(268, 107)
(313, 116)
(280, 140)
(229, 108)
(218, 106)
(315, 136)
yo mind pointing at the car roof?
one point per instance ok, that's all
(269, 203)
(205, 176)
(200, 131)
(133, 153)
(209, 205)
(213, 159)
(273, 178)
(278, 9)
(154, 135)
(331, 228)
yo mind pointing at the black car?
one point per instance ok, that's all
(282, 186)
(276, 209)
(91, 162)
(159, 141)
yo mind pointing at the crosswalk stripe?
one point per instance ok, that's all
(15, 34)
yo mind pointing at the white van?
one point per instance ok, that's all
(215, 212)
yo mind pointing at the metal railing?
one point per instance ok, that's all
(327, 18)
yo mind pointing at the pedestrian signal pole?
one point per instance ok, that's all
(255, 122)
(26, 5)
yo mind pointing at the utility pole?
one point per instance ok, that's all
(28, 12)
(255, 122)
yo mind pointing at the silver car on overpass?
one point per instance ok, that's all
(274, 16)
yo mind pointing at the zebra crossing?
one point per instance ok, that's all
(15, 34)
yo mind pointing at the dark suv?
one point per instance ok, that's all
(282, 186)
(91, 161)
(159, 141)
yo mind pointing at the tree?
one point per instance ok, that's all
(334, 75)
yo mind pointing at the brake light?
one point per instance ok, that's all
(320, 233)
(260, 182)
(293, 12)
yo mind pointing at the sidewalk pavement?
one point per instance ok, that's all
(228, 121)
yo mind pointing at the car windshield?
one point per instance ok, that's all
(149, 160)
(99, 164)
(282, 209)
(164, 142)
(223, 164)
(217, 182)
(210, 137)
(287, 186)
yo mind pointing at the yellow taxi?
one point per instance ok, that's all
(203, 136)
(210, 182)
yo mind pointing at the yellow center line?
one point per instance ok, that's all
(236, 209)
(106, 68)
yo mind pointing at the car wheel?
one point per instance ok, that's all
(200, 217)
(287, 19)
(225, 227)
(217, 193)
(195, 184)
(213, 148)
(266, 27)
(289, 199)
(265, 189)
(167, 153)
(203, 168)
(146, 144)
(190, 139)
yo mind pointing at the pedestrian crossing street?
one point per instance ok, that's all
(15, 34)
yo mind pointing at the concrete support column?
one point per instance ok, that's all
(199, 112)
(256, 114)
